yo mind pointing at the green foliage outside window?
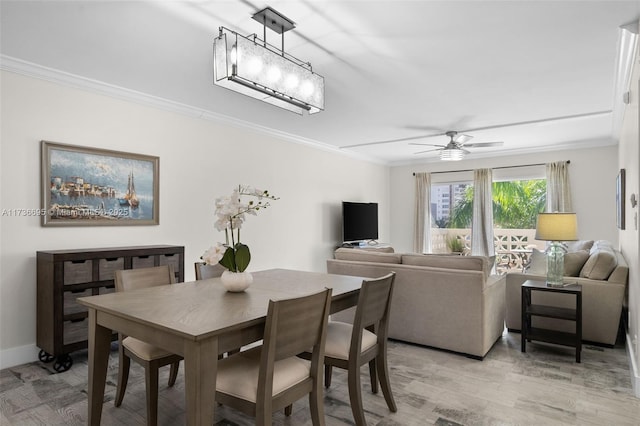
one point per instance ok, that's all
(516, 205)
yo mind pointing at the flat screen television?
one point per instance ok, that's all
(359, 221)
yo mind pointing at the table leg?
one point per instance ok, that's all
(99, 343)
(578, 325)
(200, 370)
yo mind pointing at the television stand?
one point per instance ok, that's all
(364, 244)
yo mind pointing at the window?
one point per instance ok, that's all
(518, 196)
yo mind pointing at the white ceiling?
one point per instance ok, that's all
(393, 69)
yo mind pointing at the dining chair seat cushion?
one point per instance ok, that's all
(238, 374)
(339, 340)
(144, 350)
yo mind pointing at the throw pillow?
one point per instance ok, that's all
(471, 263)
(601, 244)
(537, 263)
(578, 245)
(600, 264)
(573, 262)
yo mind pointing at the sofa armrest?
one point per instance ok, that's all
(494, 308)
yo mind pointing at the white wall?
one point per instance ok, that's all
(629, 159)
(592, 173)
(199, 161)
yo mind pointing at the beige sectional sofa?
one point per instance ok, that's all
(604, 280)
(447, 302)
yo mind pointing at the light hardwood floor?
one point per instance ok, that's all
(541, 387)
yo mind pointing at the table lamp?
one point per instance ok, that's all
(556, 227)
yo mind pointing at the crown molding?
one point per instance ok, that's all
(30, 69)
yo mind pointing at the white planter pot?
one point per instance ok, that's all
(236, 281)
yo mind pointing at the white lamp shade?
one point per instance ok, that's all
(557, 227)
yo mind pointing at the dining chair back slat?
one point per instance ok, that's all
(374, 301)
(205, 271)
(133, 279)
(297, 326)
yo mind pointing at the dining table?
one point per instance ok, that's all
(197, 320)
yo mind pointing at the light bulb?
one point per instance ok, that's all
(254, 65)
(234, 54)
(307, 88)
(274, 74)
(292, 81)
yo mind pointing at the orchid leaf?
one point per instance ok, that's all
(243, 257)
(229, 260)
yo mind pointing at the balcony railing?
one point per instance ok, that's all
(513, 246)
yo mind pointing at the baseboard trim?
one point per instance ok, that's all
(633, 367)
(17, 356)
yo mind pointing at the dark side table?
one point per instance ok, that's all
(530, 310)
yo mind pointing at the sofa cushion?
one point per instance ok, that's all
(574, 261)
(470, 263)
(578, 245)
(366, 256)
(600, 264)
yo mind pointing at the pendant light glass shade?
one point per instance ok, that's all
(451, 154)
(254, 68)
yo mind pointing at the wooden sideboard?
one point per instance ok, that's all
(65, 275)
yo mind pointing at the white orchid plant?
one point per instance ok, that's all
(231, 213)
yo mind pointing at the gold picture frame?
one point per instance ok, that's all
(83, 186)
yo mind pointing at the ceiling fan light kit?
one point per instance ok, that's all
(251, 66)
(451, 154)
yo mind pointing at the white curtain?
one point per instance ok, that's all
(558, 187)
(482, 224)
(422, 225)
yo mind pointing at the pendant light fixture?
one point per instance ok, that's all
(254, 68)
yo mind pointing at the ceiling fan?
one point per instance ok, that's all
(456, 148)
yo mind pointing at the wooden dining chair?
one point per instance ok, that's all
(204, 271)
(350, 346)
(270, 377)
(149, 356)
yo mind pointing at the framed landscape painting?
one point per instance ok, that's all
(84, 186)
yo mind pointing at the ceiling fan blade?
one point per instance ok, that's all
(540, 121)
(461, 138)
(426, 144)
(429, 150)
(483, 144)
(408, 138)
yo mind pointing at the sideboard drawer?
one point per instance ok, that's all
(77, 271)
(107, 267)
(170, 259)
(143, 262)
